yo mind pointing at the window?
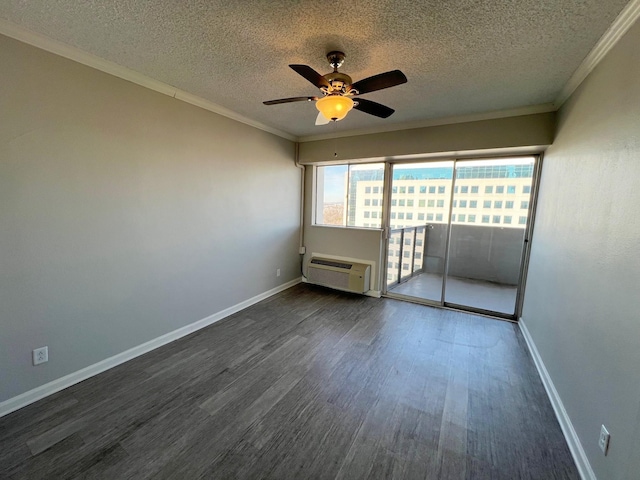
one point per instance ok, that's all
(488, 189)
(423, 189)
(453, 217)
(486, 204)
(472, 218)
(508, 204)
(464, 189)
(440, 203)
(394, 189)
(405, 266)
(462, 217)
(496, 219)
(455, 203)
(421, 216)
(406, 254)
(401, 202)
(522, 220)
(417, 255)
(367, 214)
(455, 190)
(438, 217)
(463, 204)
(431, 203)
(429, 216)
(441, 189)
(403, 189)
(526, 189)
(409, 203)
(432, 189)
(409, 216)
(497, 204)
(473, 204)
(474, 189)
(421, 203)
(393, 216)
(507, 219)
(511, 189)
(485, 218)
(400, 215)
(500, 189)
(337, 190)
(524, 204)
(367, 202)
(394, 202)
(418, 243)
(411, 190)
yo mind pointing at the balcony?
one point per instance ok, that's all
(483, 271)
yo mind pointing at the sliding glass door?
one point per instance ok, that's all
(419, 225)
(457, 232)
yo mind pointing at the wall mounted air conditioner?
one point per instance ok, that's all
(339, 274)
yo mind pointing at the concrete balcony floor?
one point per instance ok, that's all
(461, 291)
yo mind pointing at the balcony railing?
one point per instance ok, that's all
(406, 253)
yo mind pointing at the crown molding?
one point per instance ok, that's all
(24, 35)
(618, 28)
(513, 112)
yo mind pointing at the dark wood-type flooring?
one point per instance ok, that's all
(307, 384)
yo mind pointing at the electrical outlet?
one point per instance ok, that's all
(40, 355)
(278, 272)
(603, 441)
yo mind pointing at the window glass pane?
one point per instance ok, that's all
(474, 189)
(360, 177)
(488, 189)
(464, 189)
(343, 192)
(331, 194)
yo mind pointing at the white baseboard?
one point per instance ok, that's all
(579, 456)
(50, 388)
(373, 293)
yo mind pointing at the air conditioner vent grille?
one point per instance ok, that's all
(332, 263)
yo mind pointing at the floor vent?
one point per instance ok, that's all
(339, 274)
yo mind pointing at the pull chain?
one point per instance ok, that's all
(335, 141)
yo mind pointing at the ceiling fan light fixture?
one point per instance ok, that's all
(334, 107)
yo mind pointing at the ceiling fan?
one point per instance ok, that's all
(338, 91)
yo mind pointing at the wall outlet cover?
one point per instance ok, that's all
(603, 441)
(40, 355)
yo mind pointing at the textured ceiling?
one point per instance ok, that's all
(461, 57)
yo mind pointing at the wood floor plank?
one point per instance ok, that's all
(309, 383)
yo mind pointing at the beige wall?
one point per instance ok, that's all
(502, 133)
(126, 214)
(582, 305)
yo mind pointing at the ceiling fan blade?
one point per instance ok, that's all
(321, 119)
(380, 81)
(373, 108)
(289, 100)
(311, 75)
